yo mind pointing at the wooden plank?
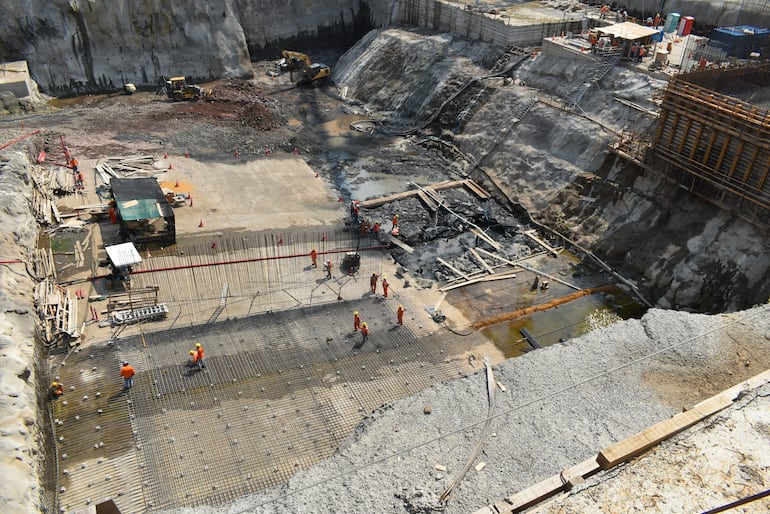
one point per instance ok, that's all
(427, 201)
(396, 241)
(433, 195)
(533, 270)
(531, 235)
(376, 202)
(477, 189)
(637, 444)
(545, 489)
(481, 261)
(447, 184)
(441, 299)
(478, 233)
(454, 270)
(485, 278)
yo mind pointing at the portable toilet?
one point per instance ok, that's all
(672, 22)
(685, 26)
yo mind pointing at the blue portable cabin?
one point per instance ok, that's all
(740, 41)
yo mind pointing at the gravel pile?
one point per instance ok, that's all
(560, 406)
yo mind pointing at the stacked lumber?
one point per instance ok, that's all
(124, 167)
(43, 265)
(57, 312)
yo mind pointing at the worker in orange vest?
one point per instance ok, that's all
(314, 257)
(400, 314)
(57, 389)
(373, 282)
(385, 285)
(395, 220)
(364, 332)
(356, 321)
(74, 164)
(199, 356)
(376, 227)
(127, 372)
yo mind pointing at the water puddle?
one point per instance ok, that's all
(563, 322)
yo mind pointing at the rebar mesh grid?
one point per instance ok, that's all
(279, 393)
(286, 378)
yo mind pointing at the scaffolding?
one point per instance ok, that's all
(715, 145)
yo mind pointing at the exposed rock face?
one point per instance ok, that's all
(18, 429)
(686, 252)
(75, 46)
(720, 14)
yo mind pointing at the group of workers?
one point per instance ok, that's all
(198, 357)
(364, 328)
(365, 225)
(72, 163)
(127, 372)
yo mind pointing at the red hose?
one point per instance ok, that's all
(25, 136)
(14, 261)
(240, 261)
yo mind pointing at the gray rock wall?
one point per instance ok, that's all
(721, 14)
(19, 432)
(75, 46)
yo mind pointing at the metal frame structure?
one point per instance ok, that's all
(715, 145)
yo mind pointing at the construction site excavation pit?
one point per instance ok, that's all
(558, 255)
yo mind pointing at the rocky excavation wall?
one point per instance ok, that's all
(720, 14)
(19, 423)
(75, 46)
(553, 162)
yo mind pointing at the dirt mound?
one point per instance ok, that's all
(234, 102)
(255, 109)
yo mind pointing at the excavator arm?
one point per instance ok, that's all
(296, 60)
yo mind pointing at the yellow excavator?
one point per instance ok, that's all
(302, 70)
(178, 89)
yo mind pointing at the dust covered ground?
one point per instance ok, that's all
(546, 422)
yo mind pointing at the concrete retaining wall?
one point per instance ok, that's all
(439, 16)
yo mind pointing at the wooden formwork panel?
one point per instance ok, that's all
(722, 141)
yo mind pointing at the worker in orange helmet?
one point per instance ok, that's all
(57, 389)
(127, 372)
(373, 282)
(194, 359)
(364, 332)
(400, 314)
(385, 285)
(356, 321)
(314, 257)
(199, 357)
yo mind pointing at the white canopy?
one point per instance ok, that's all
(628, 30)
(123, 255)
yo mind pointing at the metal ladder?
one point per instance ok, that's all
(127, 317)
(597, 73)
